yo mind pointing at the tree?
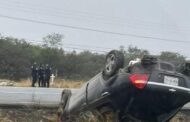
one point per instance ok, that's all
(122, 49)
(17, 57)
(53, 40)
(15, 63)
(172, 57)
(134, 52)
(90, 63)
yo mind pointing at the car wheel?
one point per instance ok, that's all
(64, 99)
(114, 61)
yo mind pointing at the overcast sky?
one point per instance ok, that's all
(155, 25)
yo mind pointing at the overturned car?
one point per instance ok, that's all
(148, 90)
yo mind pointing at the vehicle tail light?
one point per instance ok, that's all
(139, 80)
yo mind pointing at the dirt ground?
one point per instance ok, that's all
(27, 115)
(182, 116)
(45, 115)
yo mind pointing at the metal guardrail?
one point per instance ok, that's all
(35, 97)
(186, 106)
(19, 96)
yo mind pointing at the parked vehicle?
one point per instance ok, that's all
(149, 90)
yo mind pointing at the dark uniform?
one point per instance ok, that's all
(41, 81)
(34, 74)
(47, 75)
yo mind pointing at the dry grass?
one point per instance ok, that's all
(27, 115)
(59, 83)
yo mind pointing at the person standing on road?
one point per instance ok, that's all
(41, 81)
(34, 74)
(47, 75)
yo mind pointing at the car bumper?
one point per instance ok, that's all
(167, 88)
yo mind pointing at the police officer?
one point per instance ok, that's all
(47, 75)
(41, 81)
(34, 74)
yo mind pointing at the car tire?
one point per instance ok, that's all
(64, 99)
(114, 61)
